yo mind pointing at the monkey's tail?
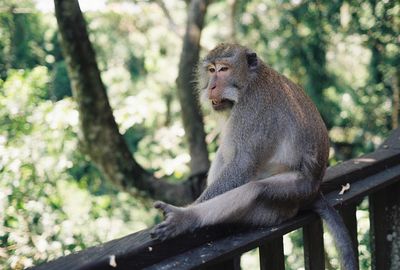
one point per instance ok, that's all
(339, 232)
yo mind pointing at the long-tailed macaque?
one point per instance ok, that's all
(272, 156)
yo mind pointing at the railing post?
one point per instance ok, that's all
(232, 264)
(271, 255)
(385, 228)
(313, 239)
(350, 220)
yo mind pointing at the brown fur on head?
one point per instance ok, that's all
(224, 74)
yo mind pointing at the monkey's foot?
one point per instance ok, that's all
(177, 221)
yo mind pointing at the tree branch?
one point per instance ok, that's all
(232, 19)
(172, 25)
(396, 99)
(191, 115)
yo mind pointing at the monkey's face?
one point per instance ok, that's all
(219, 91)
(224, 75)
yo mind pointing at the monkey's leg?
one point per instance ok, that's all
(276, 197)
(293, 185)
(244, 204)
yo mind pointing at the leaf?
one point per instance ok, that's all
(344, 188)
(112, 261)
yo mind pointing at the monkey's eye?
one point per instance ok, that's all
(211, 69)
(223, 69)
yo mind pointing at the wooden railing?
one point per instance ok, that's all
(376, 175)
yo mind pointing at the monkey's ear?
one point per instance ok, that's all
(252, 60)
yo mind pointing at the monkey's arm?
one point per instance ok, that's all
(228, 176)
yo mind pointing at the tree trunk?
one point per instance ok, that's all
(191, 115)
(100, 135)
(232, 20)
(396, 100)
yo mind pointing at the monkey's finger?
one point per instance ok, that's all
(160, 205)
(166, 208)
(155, 231)
(163, 231)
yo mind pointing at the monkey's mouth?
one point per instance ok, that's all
(222, 104)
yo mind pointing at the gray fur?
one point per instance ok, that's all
(272, 156)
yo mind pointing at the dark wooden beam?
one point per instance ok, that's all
(231, 264)
(385, 228)
(271, 255)
(313, 241)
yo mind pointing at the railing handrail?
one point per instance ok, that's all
(208, 246)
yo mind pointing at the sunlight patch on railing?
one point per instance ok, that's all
(363, 160)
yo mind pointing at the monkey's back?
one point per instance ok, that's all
(298, 122)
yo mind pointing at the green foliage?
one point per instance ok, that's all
(292, 244)
(60, 85)
(364, 235)
(21, 41)
(53, 201)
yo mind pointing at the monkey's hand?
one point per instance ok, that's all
(177, 221)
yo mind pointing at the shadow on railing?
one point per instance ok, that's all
(376, 175)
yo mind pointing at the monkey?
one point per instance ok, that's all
(272, 155)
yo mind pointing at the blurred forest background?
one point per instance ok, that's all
(69, 174)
